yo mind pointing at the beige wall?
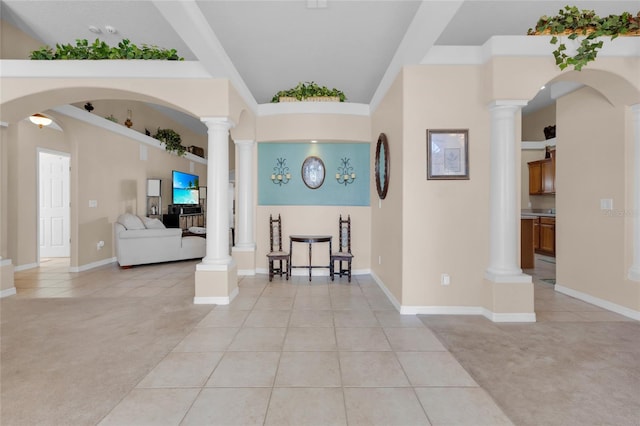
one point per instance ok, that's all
(445, 222)
(14, 44)
(591, 245)
(387, 221)
(314, 219)
(104, 166)
(533, 124)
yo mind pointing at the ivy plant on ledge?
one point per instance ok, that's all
(309, 91)
(171, 140)
(101, 50)
(574, 23)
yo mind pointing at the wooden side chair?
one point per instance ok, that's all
(344, 252)
(276, 254)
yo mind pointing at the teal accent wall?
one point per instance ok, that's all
(296, 192)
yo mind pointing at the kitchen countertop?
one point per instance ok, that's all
(532, 214)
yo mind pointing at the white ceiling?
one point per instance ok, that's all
(265, 46)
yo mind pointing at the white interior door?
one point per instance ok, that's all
(54, 205)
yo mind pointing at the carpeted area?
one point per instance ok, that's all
(552, 373)
(69, 361)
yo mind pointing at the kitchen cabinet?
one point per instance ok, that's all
(547, 236)
(542, 176)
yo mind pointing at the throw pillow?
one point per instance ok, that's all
(130, 221)
(153, 223)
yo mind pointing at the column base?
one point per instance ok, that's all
(216, 284)
(510, 301)
(245, 258)
(7, 286)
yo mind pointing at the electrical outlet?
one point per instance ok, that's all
(100, 245)
(445, 279)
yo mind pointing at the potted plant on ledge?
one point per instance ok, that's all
(310, 92)
(171, 140)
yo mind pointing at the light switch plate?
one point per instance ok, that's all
(606, 204)
(93, 203)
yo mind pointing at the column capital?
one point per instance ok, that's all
(501, 103)
(218, 122)
(244, 142)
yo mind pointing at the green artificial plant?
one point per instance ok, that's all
(575, 23)
(101, 50)
(307, 90)
(171, 140)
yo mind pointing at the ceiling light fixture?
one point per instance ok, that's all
(40, 120)
(110, 29)
(95, 29)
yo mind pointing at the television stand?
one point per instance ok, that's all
(183, 221)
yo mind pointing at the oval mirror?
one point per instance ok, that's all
(382, 166)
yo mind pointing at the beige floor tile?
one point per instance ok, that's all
(258, 339)
(274, 303)
(182, 369)
(268, 319)
(207, 339)
(311, 319)
(355, 318)
(461, 406)
(306, 406)
(362, 339)
(145, 291)
(348, 303)
(551, 316)
(395, 319)
(381, 303)
(604, 316)
(434, 369)
(151, 407)
(224, 318)
(383, 406)
(371, 369)
(413, 339)
(245, 369)
(312, 302)
(241, 303)
(229, 407)
(310, 339)
(305, 369)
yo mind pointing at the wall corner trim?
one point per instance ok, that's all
(7, 292)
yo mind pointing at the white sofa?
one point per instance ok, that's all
(141, 240)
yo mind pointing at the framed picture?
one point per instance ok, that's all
(448, 154)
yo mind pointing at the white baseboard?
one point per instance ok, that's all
(8, 292)
(386, 291)
(610, 306)
(25, 267)
(92, 265)
(5, 262)
(246, 272)
(453, 310)
(216, 300)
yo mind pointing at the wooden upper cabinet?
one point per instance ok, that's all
(542, 176)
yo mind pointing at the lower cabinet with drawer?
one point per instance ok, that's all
(546, 236)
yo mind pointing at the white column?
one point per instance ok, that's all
(217, 191)
(634, 271)
(244, 177)
(505, 218)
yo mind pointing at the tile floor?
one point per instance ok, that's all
(285, 352)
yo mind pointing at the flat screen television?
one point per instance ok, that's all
(185, 188)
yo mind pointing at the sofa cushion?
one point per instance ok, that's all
(152, 223)
(130, 221)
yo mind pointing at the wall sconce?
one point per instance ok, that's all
(345, 174)
(281, 173)
(40, 120)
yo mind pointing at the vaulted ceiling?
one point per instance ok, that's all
(264, 46)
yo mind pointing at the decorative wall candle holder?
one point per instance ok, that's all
(281, 173)
(345, 174)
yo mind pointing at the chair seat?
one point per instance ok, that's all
(278, 254)
(342, 255)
